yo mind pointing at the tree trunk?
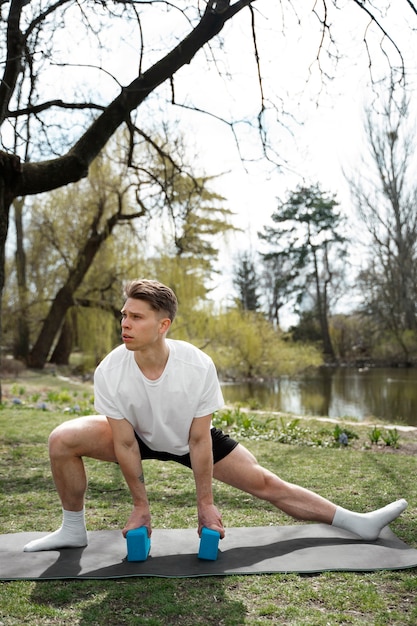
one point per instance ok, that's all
(63, 348)
(51, 326)
(21, 342)
(4, 223)
(9, 170)
(322, 307)
(328, 349)
(65, 296)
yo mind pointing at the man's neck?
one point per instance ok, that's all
(152, 361)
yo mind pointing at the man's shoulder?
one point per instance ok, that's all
(188, 353)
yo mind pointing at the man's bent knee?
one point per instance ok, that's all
(83, 436)
(62, 438)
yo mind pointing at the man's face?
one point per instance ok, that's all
(142, 327)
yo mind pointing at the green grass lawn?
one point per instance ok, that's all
(359, 477)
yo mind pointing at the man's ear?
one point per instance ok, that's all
(165, 325)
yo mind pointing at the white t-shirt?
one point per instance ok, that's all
(160, 411)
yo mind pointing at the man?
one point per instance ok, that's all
(156, 397)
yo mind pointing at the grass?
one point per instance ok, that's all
(356, 475)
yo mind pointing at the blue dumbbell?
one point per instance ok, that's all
(138, 544)
(209, 544)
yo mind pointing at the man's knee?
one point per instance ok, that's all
(67, 436)
(89, 436)
(60, 438)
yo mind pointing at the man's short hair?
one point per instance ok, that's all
(159, 296)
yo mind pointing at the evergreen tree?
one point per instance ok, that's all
(246, 282)
(307, 242)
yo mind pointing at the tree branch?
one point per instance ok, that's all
(43, 106)
(74, 165)
(15, 47)
(361, 4)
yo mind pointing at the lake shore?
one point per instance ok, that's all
(58, 390)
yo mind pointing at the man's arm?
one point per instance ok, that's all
(127, 452)
(201, 454)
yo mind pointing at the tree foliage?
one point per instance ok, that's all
(196, 219)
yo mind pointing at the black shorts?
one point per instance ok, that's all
(222, 446)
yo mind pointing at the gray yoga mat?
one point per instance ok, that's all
(308, 548)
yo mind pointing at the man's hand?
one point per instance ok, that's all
(210, 517)
(140, 516)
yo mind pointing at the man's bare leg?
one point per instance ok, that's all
(241, 470)
(68, 443)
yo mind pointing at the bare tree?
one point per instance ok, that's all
(386, 200)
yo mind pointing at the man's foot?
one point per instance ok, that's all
(72, 534)
(368, 525)
(57, 540)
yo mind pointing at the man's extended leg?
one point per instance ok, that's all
(240, 469)
(85, 436)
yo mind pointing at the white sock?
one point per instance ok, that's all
(368, 525)
(72, 534)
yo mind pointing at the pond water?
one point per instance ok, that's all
(385, 393)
